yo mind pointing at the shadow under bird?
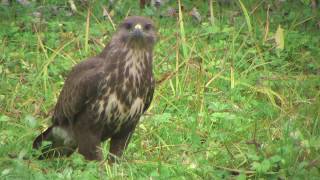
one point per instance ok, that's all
(104, 96)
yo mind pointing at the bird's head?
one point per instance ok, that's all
(137, 32)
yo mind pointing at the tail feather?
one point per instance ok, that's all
(57, 147)
(45, 136)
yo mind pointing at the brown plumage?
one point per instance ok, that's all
(104, 96)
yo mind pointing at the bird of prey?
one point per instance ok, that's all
(104, 96)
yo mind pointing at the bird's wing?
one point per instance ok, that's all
(149, 97)
(79, 88)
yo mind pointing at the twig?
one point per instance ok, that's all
(267, 25)
(109, 17)
(211, 12)
(87, 31)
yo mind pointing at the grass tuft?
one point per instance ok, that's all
(229, 104)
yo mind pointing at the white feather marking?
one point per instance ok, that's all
(114, 102)
(101, 106)
(136, 107)
(129, 96)
(62, 134)
(111, 101)
(133, 59)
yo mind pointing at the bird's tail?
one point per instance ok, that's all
(45, 136)
(58, 146)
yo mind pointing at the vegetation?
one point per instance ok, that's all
(236, 99)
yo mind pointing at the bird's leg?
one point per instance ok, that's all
(117, 145)
(89, 145)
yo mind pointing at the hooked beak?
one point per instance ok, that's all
(137, 31)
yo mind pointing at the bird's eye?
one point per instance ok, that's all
(128, 26)
(147, 27)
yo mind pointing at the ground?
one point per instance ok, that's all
(236, 99)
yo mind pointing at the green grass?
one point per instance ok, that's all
(228, 104)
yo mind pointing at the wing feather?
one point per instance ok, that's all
(149, 97)
(80, 86)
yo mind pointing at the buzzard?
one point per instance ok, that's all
(104, 96)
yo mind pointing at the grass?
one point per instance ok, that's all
(228, 103)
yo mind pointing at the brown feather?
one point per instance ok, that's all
(104, 96)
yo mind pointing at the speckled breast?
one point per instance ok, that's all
(124, 93)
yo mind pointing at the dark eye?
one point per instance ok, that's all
(127, 25)
(147, 27)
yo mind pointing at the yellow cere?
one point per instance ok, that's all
(138, 26)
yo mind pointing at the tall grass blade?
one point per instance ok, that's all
(247, 17)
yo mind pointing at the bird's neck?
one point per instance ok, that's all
(137, 63)
(116, 48)
(128, 62)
